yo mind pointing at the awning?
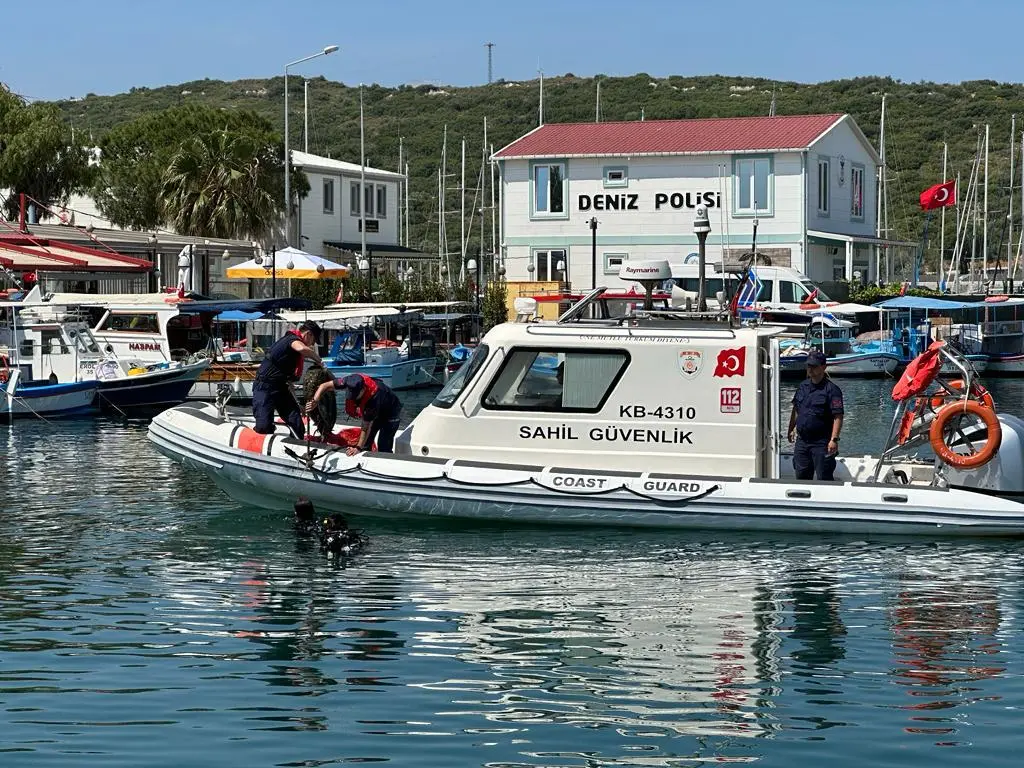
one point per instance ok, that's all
(384, 251)
(838, 237)
(848, 308)
(924, 302)
(263, 306)
(237, 316)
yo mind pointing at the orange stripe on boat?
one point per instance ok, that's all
(251, 440)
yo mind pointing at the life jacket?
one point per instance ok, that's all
(354, 406)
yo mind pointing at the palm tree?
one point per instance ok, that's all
(225, 184)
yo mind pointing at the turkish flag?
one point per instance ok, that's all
(731, 362)
(939, 196)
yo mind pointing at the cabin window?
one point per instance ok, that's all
(823, 186)
(132, 322)
(328, 195)
(556, 380)
(612, 262)
(549, 190)
(550, 266)
(616, 176)
(753, 185)
(353, 199)
(450, 392)
(53, 343)
(382, 201)
(793, 293)
(856, 191)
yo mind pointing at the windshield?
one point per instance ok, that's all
(450, 393)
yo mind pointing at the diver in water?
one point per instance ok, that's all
(332, 532)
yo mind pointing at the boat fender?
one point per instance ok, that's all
(977, 391)
(975, 459)
(996, 299)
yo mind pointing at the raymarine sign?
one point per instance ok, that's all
(645, 270)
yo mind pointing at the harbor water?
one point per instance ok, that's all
(148, 620)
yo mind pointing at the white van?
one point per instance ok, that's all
(781, 289)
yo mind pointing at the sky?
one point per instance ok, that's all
(68, 48)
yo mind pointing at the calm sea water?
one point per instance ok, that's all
(145, 619)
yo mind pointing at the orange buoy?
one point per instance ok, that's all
(978, 392)
(975, 459)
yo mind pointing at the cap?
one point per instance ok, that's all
(353, 384)
(312, 327)
(815, 357)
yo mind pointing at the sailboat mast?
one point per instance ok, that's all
(483, 193)
(406, 228)
(880, 231)
(1009, 215)
(942, 220)
(401, 164)
(494, 214)
(462, 210)
(597, 106)
(305, 122)
(362, 184)
(984, 221)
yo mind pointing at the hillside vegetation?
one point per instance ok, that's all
(920, 116)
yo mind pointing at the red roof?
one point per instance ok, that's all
(672, 137)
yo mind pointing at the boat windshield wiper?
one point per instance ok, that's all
(576, 309)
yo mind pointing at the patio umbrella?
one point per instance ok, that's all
(290, 263)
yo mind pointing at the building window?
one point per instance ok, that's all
(328, 195)
(354, 199)
(556, 380)
(382, 201)
(368, 201)
(616, 176)
(823, 186)
(549, 190)
(753, 185)
(547, 263)
(612, 262)
(856, 192)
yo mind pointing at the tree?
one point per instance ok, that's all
(37, 155)
(495, 306)
(225, 183)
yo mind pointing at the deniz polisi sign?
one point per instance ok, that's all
(624, 201)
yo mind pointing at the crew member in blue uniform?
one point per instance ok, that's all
(281, 367)
(816, 421)
(373, 403)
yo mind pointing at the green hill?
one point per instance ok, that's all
(920, 116)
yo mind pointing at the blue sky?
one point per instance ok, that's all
(69, 48)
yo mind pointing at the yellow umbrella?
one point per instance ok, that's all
(289, 263)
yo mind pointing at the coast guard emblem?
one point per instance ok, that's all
(690, 362)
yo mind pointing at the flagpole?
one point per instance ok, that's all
(942, 215)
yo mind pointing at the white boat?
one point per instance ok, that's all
(656, 420)
(20, 399)
(835, 338)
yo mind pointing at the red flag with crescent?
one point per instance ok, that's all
(939, 196)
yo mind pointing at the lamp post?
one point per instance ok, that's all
(593, 251)
(701, 227)
(366, 270)
(287, 154)
(154, 271)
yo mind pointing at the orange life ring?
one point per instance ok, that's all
(936, 435)
(977, 391)
(919, 373)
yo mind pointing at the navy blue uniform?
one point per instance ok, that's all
(816, 406)
(382, 411)
(270, 390)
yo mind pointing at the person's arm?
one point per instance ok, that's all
(837, 428)
(792, 424)
(307, 352)
(323, 389)
(364, 432)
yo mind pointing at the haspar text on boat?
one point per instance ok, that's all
(654, 419)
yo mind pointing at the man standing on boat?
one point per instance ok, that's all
(373, 403)
(815, 422)
(281, 367)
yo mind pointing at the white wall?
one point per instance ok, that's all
(317, 226)
(841, 144)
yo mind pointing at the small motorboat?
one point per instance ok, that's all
(654, 419)
(42, 398)
(846, 357)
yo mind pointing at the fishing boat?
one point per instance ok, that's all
(660, 419)
(835, 337)
(35, 398)
(910, 323)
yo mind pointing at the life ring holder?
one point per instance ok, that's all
(945, 417)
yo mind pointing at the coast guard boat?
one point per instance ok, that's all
(655, 418)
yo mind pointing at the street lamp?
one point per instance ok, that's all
(366, 270)
(154, 272)
(701, 227)
(287, 155)
(593, 251)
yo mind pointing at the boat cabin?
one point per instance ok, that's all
(653, 390)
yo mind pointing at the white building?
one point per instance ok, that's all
(329, 218)
(807, 182)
